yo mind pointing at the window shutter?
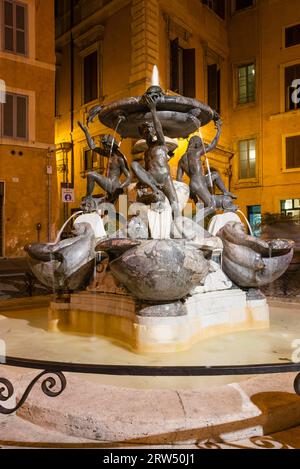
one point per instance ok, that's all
(291, 73)
(8, 116)
(15, 116)
(292, 36)
(90, 72)
(189, 73)
(21, 121)
(220, 8)
(174, 45)
(218, 107)
(241, 4)
(88, 160)
(15, 27)
(293, 152)
(8, 27)
(20, 29)
(214, 87)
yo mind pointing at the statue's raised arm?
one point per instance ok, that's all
(214, 143)
(150, 99)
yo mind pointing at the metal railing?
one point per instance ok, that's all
(54, 381)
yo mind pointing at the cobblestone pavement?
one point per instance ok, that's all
(16, 279)
(287, 286)
(16, 288)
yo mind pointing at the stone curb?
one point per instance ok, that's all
(254, 407)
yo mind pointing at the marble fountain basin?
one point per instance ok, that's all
(180, 116)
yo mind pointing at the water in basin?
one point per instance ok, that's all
(30, 331)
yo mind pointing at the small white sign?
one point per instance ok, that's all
(68, 196)
(49, 169)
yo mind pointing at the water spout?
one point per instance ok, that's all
(120, 119)
(64, 226)
(207, 161)
(155, 76)
(247, 221)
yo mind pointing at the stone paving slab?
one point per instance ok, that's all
(18, 433)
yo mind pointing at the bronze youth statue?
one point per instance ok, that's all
(191, 164)
(156, 174)
(117, 166)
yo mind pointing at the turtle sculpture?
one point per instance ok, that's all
(252, 262)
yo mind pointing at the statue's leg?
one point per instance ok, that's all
(193, 196)
(100, 180)
(220, 184)
(144, 177)
(170, 192)
(202, 192)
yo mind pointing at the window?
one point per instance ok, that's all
(14, 27)
(214, 87)
(89, 160)
(90, 77)
(291, 208)
(93, 161)
(15, 116)
(292, 35)
(254, 217)
(242, 4)
(247, 156)
(218, 6)
(62, 7)
(293, 152)
(246, 84)
(183, 70)
(291, 74)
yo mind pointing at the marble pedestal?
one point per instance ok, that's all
(171, 328)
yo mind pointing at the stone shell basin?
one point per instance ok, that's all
(66, 265)
(253, 262)
(158, 270)
(180, 116)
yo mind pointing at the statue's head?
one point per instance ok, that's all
(147, 131)
(195, 143)
(108, 141)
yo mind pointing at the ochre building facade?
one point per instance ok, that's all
(241, 57)
(28, 194)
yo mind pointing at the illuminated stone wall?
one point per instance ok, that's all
(135, 35)
(23, 161)
(265, 119)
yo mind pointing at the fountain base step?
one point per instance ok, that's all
(95, 412)
(164, 328)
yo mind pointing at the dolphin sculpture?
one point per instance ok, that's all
(252, 262)
(66, 265)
